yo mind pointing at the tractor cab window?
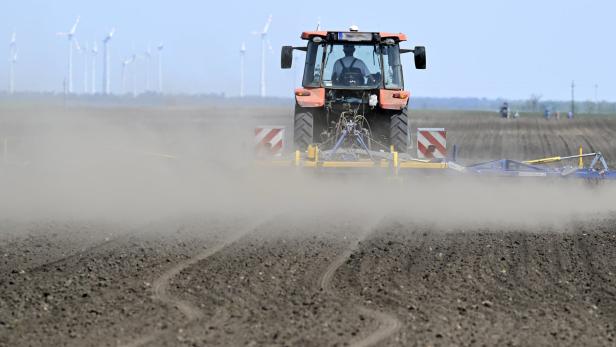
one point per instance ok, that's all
(392, 67)
(352, 65)
(313, 68)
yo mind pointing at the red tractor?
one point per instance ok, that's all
(352, 83)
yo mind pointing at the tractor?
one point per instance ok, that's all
(352, 86)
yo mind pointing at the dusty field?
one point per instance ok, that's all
(104, 245)
(483, 136)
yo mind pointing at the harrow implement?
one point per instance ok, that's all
(360, 158)
(353, 150)
(512, 168)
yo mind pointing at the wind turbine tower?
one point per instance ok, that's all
(242, 62)
(106, 80)
(85, 52)
(12, 62)
(125, 65)
(264, 46)
(160, 48)
(134, 61)
(69, 35)
(148, 58)
(94, 53)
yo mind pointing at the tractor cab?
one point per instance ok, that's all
(351, 73)
(362, 60)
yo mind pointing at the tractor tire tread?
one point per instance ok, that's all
(399, 131)
(303, 127)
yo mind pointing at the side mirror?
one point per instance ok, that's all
(420, 57)
(286, 57)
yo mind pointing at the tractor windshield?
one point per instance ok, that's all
(352, 65)
(348, 65)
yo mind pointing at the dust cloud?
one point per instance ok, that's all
(143, 165)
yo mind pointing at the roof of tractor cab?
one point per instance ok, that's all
(307, 35)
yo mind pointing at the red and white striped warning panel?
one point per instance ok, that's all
(269, 140)
(431, 143)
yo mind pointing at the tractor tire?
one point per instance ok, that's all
(399, 134)
(303, 129)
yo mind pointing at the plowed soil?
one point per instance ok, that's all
(319, 278)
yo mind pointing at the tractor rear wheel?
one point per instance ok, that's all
(303, 127)
(399, 131)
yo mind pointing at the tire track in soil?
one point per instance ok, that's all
(603, 140)
(567, 148)
(78, 255)
(588, 143)
(388, 323)
(160, 286)
(112, 240)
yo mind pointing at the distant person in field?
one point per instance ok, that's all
(349, 70)
(504, 110)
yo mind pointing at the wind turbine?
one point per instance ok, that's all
(106, 80)
(264, 46)
(160, 48)
(242, 60)
(12, 61)
(69, 35)
(134, 61)
(94, 53)
(125, 64)
(84, 51)
(148, 58)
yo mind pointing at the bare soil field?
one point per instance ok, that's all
(132, 227)
(484, 136)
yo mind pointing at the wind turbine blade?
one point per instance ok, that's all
(13, 38)
(269, 45)
(110, 34)
(74, 28)
(128, 60)
(62, 34)
(77, 46)
(267, 24)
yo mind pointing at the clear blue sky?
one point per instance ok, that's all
(480, 48)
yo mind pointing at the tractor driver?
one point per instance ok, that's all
(348, 70)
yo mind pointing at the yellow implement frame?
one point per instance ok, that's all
(550, 160)
(311, 159)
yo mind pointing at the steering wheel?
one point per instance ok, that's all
(374, 78)
(352, 79)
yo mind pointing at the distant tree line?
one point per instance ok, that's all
(533, 104)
